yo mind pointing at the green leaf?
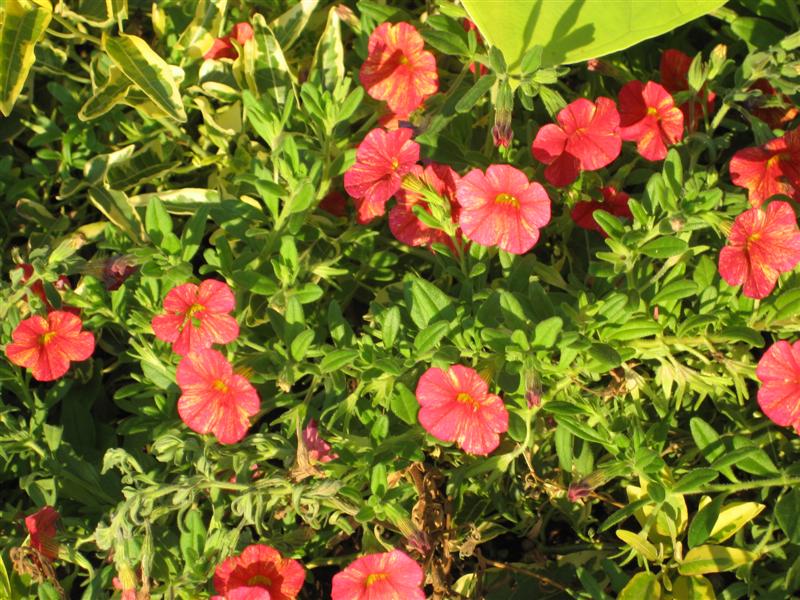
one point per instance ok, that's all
(193, 232)
(290, 24)
(732, 517)
(547, 331)
(140, 63)
(429, 337)
(692, 588)
(22, 24)
(786, 513)
(266, 70)
(641, 585)
(757, 33)
(694, 479)
(337, 360)
(714, 559)
(300, 344)
(675, 290)
(327, 67)
(107, 96)
(157, 221)
(703, 522)
(638, 543)
(404, 404)
(425, 301)
(576, 31)
(664, 247)
(475, 93)
(114, 205)
(635, 329)
(5, 584)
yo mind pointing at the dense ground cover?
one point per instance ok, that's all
(359, 301)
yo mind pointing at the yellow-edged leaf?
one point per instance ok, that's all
(732, 517)
(151, 73)
(22, 24)
(107, 96)
(714, 559)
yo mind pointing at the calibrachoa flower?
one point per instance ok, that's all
(456, 406)
(386, 576)
(773, 168)
(405, 225)
(47, 345)
(41, 527)
(674, 69)
(649, 117)
(258, 573)
(614, 202)
(223, 48)
(197, 317)
(585, 139)
(774, 116)
(398, 69)
(318, 449)
(214, 398)
(502, 208)
(762, 245)
(779, 394)
(37, 287)
(382, 159)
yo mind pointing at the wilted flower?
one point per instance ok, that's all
(502, 208)
(456, 406)
(197, 317)
(47, 345)
(41, 527)
(335, 203)
(318, 449)
(762, 245)
(585, 139)
(386, 576)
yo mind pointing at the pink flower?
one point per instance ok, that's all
(614, 202)
(773, 168)
(47, 345)
(779, 394)
(386, 576)
(649, 117)
(41, 527)
(585, 139)
(398, 69)
(405, 225)
(37, 287)
(502, 208)
(762, 245)
(214, 398)
(197, 316)
(259, 573)
(223, 48)
(382, 159)
(318, 449)
(456, 406)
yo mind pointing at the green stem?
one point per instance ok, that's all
(743, 486)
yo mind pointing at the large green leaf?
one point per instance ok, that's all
(574, 30)
(142, 65)
(22, 24)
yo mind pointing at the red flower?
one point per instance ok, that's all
(762, 245)
(648, 116)
(197, 316)
(214, 398)
(773, 168)
(456, 406)
(614, 202)
(47, 345)
(779, 394)
(223, 48)
(37, 287)
(405, 225)
(41, 527)
(334, 203)
(502, 208)
(382, 158)
(585, 139)
(318, 449)
(674, 69)
(398, 69)
(476, 66)
(774, 116)
(258, 573)
(387, 576)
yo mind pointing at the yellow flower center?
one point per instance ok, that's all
(504, 198)
(395, 163)
(652, 111)
(403, 59)
(193, 309)
(465, 398)
(220, 386)
(259, 580)
(374, 578)
(48, 337)
(752, 239)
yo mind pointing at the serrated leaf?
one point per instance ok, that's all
(151, 73)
